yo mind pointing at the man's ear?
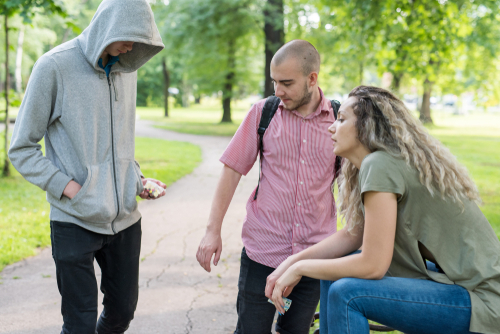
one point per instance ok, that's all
(312, 79)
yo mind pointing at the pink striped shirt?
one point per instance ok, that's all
(294, 208)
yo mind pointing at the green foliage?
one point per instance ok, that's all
(453, 44)
(26, 8)
(350, 31)
(203, 37)
(150, 84)
(14, 100)
(450, 43)
(43, 31)
(24, 212)
(427, 39)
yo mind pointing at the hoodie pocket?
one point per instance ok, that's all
(132, 185)
(95, 202)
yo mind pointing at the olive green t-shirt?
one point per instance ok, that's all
(459, 237)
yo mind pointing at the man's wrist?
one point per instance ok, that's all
(214, 228)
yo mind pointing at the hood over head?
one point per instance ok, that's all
(122, 20)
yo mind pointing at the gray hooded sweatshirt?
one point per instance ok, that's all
(88, 120)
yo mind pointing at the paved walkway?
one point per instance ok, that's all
(176, 294)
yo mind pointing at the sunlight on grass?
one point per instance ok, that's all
(166, 161)
(198, 119)
(475, 141)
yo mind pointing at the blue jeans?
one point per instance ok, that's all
(405, 304)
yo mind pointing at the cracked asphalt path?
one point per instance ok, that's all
(176, 295)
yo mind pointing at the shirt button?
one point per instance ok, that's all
(303, 161)
(295, 244)
(304, 140)
(298, 204)
(301, 182)
(303, 120)
(297, 225)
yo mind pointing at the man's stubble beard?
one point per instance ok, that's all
(304, 99)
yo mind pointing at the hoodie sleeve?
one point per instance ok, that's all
(139, 167)
(43, 96)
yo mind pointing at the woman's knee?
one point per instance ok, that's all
(344, 290)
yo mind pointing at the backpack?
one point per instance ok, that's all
(268, 111)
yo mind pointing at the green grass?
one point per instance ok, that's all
(24, 212)
(198, 119)
(24, 219)
(164, 160)
(475, 141)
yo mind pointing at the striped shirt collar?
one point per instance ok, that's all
(324, 106)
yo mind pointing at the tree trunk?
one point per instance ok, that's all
(396, 82)
(19, 60)
(197, 99)
(361, 72)
(6, 167)
(185, 93)
(227, 92)
(425, 110)
(166, 78)
(274, 30)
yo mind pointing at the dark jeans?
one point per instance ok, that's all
(256, 314)
(74, 249)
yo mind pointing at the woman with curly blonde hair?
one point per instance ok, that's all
(430, 261)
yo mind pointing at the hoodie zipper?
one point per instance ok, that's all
(113, 154)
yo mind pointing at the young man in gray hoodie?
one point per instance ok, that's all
(81, 99)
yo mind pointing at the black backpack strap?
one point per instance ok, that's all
(335, 106)
(270, 107)
(338, 160)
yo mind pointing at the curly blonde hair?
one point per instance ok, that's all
(385, 124)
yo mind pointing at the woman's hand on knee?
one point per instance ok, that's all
(276, 274)
(284, 286)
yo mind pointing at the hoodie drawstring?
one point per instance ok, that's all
(114, 86)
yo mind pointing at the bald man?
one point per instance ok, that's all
(294, 208)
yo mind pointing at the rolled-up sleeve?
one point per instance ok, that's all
(242, 151)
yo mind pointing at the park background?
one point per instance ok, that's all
(441, 57)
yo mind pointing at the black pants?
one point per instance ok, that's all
(256, 314)
(74, 249)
